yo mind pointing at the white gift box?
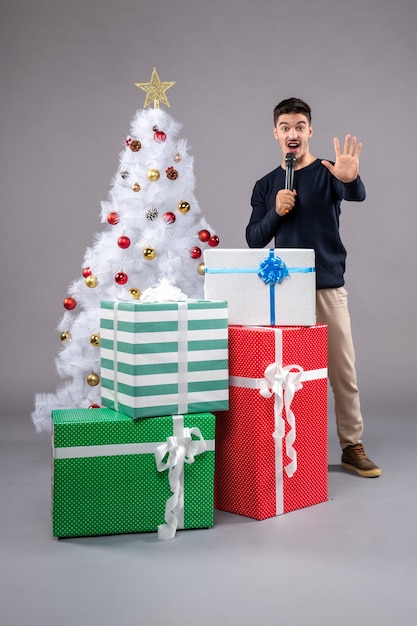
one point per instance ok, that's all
(275, 287)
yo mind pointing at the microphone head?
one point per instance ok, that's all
(289, 159)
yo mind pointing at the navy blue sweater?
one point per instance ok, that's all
(312, 223)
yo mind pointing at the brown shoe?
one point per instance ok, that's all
(354, 459)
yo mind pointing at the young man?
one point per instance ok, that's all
(308, 217)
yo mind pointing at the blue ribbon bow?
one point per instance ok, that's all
(273, 269)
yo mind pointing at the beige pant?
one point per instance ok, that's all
(332, 310)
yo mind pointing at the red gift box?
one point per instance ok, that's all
(271, 445)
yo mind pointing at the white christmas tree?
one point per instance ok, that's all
(154, 231)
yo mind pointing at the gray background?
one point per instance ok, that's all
(67, 89)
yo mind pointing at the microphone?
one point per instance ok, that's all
(289, 170)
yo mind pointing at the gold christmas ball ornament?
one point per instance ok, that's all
(91, 281)
(95, 340)
(149, 253)
(136, 187)
(135, 293)
(201, 269)
(153, 174)
(184, 206)
(177, 157)
(65, 335)
(93, 379)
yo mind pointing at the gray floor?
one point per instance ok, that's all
(350, 561)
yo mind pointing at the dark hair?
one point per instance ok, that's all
(292, 105)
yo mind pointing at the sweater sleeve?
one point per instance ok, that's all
(263, 223)
(354, 191)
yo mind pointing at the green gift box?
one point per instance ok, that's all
(113, 475)
(164, 358)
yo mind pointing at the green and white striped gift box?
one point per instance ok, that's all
(107, 475)
(164, 358)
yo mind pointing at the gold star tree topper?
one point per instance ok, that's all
(155, 91)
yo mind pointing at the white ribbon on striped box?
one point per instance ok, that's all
(282, 382)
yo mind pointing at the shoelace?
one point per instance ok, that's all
(360, 451)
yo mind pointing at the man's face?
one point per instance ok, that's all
(293, 131)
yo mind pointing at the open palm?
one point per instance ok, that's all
(346, 166)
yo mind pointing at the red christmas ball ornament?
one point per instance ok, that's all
(113, 218)
(169, 217)
(123, 242)
(204, 235)
(94, 406)
(195, 253)
(87, 272)
(214, 241)
(121, 278)
(160, 136)
(70, 304)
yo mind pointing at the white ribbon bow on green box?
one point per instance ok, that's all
(179, 448)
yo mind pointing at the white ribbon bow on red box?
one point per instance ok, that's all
(283, 382)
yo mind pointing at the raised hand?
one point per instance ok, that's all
(346, 165)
